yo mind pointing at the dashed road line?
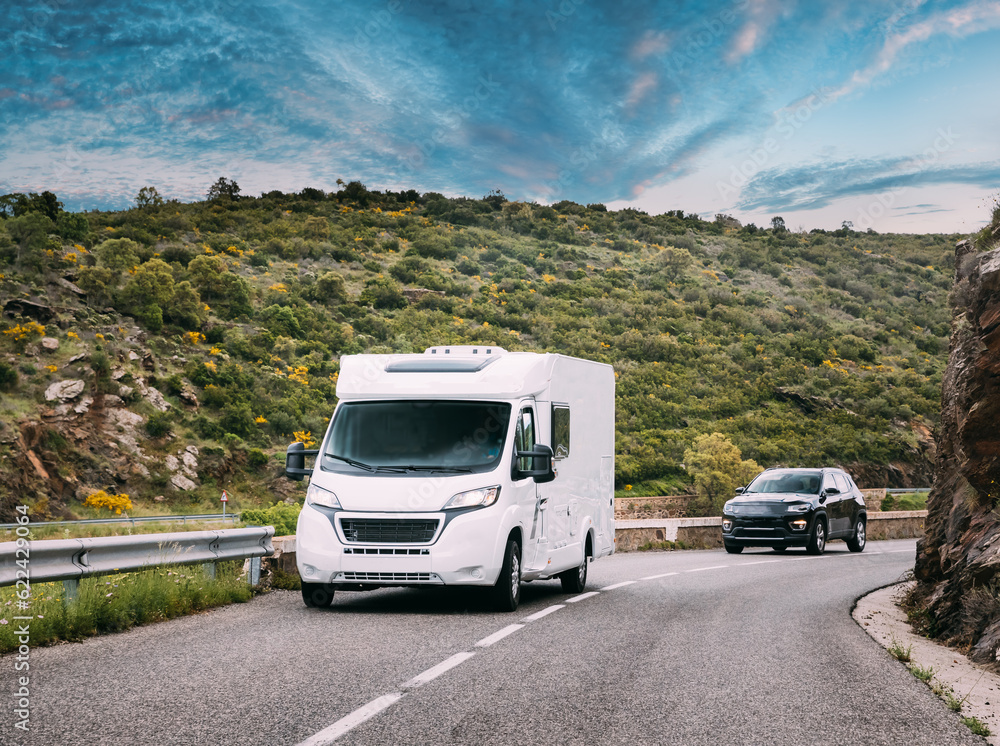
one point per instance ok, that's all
(432, 673)
(497, 636)
(366, 712)
(353, 720)
(544, 612)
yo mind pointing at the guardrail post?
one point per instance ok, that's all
(71, 590)
(209, 568)
(253, 576)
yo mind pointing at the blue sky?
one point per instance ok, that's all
(881, 113)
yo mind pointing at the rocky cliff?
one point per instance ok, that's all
(958, 560)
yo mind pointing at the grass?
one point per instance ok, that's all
(113, 603)
(924, 673)
(897, 651)
(977, 726)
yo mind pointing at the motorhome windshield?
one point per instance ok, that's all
(415, 436)
(791, 482)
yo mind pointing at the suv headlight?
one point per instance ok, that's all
(480, 498)
(728, 507)
(799, 508)
(316, 495)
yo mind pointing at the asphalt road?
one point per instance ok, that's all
(758, 648)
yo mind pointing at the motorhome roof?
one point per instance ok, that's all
(446, 372)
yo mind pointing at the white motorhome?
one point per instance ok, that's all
(461, 466)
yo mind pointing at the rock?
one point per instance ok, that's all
(50, 343)
(172, 463)
(415, 294)
(133, 355)
(147, 361)
(110, 400)
(125, 391)
(78, 358)
(190, 463)
(64, 390)
(84, 406)
(179, 481)
(63, 282)
(192, 449)
(152, 395)
(959, 555)
(159, 499)
(188, 395)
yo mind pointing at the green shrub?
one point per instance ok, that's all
(280, 515)
(8, 377)
(158, 424)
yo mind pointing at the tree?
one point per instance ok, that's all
(224, 188)
(118, 254)
(148, 197)
(778, 224)
(495, 199)
(718, 469)
(149, 290)
(330, 288)
(72, 226)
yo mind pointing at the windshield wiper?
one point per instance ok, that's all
(353, 462)
(454, 469)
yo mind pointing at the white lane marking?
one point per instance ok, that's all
(714, 567)
(618, 585)
(497, 636)
(543, 612)
(581, 597)
(356, 718)
(897, 551)
(759, 562)
(661, 575)
(432, 673)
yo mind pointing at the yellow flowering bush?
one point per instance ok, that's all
(102, 499)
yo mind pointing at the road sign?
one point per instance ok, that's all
(225, 497)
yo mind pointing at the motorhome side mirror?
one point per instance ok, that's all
(541, 469)
(295, 461)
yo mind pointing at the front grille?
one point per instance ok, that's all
(388, 530)
(760, 522)
(389, 577)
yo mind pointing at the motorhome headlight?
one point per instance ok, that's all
(316, 495)
(474, 498)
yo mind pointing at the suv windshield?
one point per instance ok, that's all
(417, 436)
(791, 482)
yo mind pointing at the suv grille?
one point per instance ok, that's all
(388, 530)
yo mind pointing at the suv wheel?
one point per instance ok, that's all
(734, 548)
(860, 536)
(817, 540)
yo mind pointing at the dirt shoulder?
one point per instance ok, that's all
(880, 616)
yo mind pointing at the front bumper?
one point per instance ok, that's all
(463, 551)
(767, 530)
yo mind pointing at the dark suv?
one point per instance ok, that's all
(784, 508)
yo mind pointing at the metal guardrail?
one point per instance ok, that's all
(234, 517)
(69, 560)
(905, 490)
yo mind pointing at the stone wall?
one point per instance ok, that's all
(958, 559)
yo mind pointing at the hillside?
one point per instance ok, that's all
(206, 336)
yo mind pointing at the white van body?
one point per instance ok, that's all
(392, 526)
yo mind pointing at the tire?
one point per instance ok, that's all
(575, 580)
(733, 548)
(779, 550)
(817, 539)
(506, 592)
(317, 595)
(860, 536)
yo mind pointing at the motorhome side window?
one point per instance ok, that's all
(560, 430)
(524, 437)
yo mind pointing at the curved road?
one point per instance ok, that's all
(676, 648)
